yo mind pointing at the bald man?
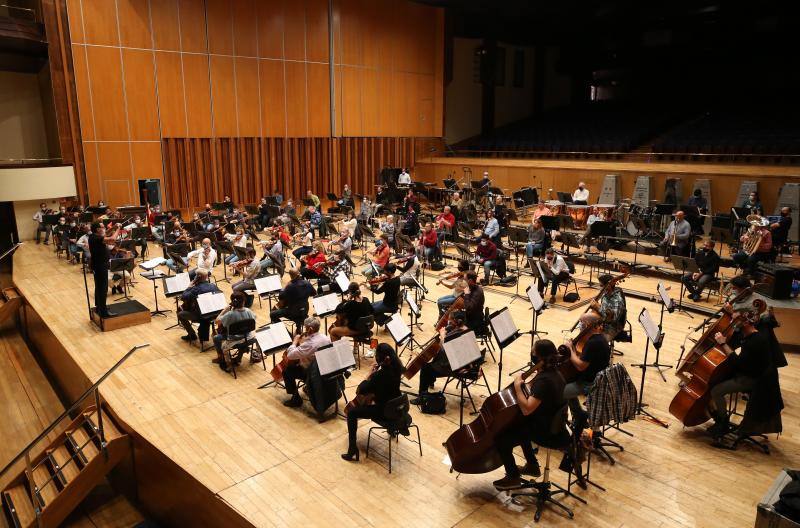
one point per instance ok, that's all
(682, 232)
(206, 258)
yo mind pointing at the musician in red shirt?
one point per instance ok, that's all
(486, 256)
(444, 224)
(313, 264)
(428, 242)
(380, 256)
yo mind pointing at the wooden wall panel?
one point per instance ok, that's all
(371, 100)
(118, 191)
(140, 93)
(245, 36)
(114, 164)
(192, 18)
(351, 101)
(166, 25)
(146, 161)
(134, 28)
(82, 89)
(92, 171)
(273, 98)
(247, 97)
(198, 95)
(270, 18)
(220, 26)
(319, 100)
(171, 105)
(316, 29)
(294, 30)
(107, 96)
(296, 100)
(223, 96)
(75, 19)
(100, 23)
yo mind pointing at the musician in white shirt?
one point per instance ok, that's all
(556, 271)
(206, 258)
(404, 178)
(581, 195)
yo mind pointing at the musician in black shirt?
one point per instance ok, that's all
(473, 303)
(439, 366)
(390, 288)
(98, 250)
(350, 311)
(594, 357)
(383, 384)
(539, 405)
(708, 262)
(780, 229)
(293, 300)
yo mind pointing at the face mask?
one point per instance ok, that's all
(483, 243)
(205, 246)
(72, 224)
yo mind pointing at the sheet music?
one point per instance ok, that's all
(503, 325)
(338, 356)
(342, 281)
(211, 302)
(325, 304)
(152, 263)
(462, 350)
(542, 275)
(272, 337)
(268, 284)
(398, 328)
(650, 327)
(665, 298)
(412, 303)
(153, 274)
(177, 283)
(536, 300)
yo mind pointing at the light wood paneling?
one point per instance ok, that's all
(247, 97)
(134, 16)
(319, 105)
(316, 24)
(166, 25)
(170, 94)
(245, 37)
(115, 169)
(146, 162)
(223, 96)
(82, 89)
(107, 96)
(270, 29)
(351, 101)
(296, 100)
(118, 191)
(220, 26)
(198, 94)
(92, 172)
(193, 25)
(100, 23)
(273, 99)
(75, 21)
(371, 99)
(140, 92)
(294, 30)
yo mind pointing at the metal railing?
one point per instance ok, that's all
(99, 433)
(29, 161)
(643, 156)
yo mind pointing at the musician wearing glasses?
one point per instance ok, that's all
(190, 311)
(708, 262)
(301, 353)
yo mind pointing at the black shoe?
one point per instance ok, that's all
(294, 401)
(507, 483)
(351, 456)
(189, 337)
(531, 469)
(416, 401)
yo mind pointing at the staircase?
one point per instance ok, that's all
(10, 301)
(61, 475)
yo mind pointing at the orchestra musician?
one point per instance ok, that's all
(444, 225)
(234, 313)
(301, 353)
(594, 216)
(273, 255)
(388, 229)
(539, 403)
(411, 225)
(227, 203)
(556, 271)
(381, 386)
(380, 256)
(238, 239)
(190, 311)
(612, 309)
(263, 213)
(708, 262)
(312, 266)
(293, 300)
(314, 218)
(349, 312)
(457, 202)
(351, 225)
(677, 237)
(306, 246)
(499, 211)
(491, 229)
(410, 200)
(580, 196)
(752, 203)
(41, 226)
(389, 286)
(474, 300)
(458, 284)
(404, 178)
(99, 253)
(408, 265)
(342, 245)
(759, 227)
(485, 181)
(593, 358)
(252, 269)
(697, 200)
(314, 199)
(536, 238)
(347, 197)
(780, 229)
(428, 243)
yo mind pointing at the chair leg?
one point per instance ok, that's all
(419, 440)
(390, 453)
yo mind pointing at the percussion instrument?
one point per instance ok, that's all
(555, 207)
(606, 211)
(579, 214)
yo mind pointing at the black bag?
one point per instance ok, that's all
(437, 265)
(433, 403)
(571, 297)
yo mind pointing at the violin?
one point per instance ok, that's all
(449, 277)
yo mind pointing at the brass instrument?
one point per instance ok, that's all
(755, 234)
(674, 241)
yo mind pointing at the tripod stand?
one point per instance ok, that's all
(655, 335)
(667, 303)
(683, 264)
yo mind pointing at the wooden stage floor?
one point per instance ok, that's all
(279, 467)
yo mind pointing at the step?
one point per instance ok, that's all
(61, 462)
(110, 429)
(45, 484)
(18, 505)
(82, 445)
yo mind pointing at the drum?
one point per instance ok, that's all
(632, 229)
(556, 208)
(579, 214)
(606, 211)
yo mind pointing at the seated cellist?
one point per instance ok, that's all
(539, 405)
(349, 312)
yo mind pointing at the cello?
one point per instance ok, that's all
(706, 365)
(471, 447)
(434, 345)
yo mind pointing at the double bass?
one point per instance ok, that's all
(472, 447)
(706, 365)
(432, 347)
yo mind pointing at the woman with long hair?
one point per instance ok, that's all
(381, 386)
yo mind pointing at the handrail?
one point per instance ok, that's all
(28, 161)
(471, 152)
(10, 250)
(73, 407)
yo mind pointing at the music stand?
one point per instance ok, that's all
(683, 264)
(518, 236)
(173, 288)
(272, 338)
(564, 197)
(656, 336)
(668, 304)
(268, 286)
(325, 306)
(153, 275)
(505, 332)
(124, 265)
(401, 333)
(549, 222)
(223, 247)
(334, 362)
(461, 350)
(140, 234)
(569, 240)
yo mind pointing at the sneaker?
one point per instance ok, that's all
(507, 483)
(294, 401)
